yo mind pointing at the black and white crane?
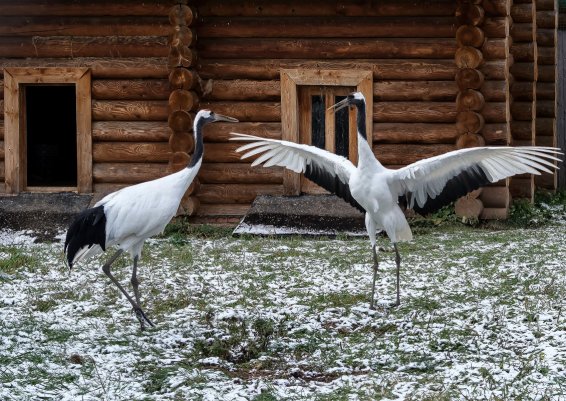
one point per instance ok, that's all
(126, 218)
(427, 185)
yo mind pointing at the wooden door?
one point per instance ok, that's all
(322, 127)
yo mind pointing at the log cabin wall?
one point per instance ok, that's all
(409, 47)
(547, 39)
(125, 46)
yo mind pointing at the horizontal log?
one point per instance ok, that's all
(180, 121)
(130, 131)
(525, 51)
(243, 89)
(83, 46)
(468, 57)
(546, 37)
(496, 112)
(523, 90)
(545, 127)
(495, 197)
(321, 8)
(223, 209)
(136, 89)
(496, 7)
(469, 35)
(382, 69)
(181, 14)
(181, 36)
(101, 68)
(414, 90)
(546, 5)
(83, 26)
(404, 154)
(522, 33)
(414, 112)
(247, 111)
(181, 99)
(546, 55)
(239, 173)
(546, 108)
(181, 56)
(220, 132)
(497, 27)
(523, 13)
(494, 91)
(547, 19)
(470, 99)
(497, 70)
(546, 181)
(236, 193)
(496, 134)
(546, 73)
(469, 141)
(528, 71)
(182, 78)
(134, 152)
(121, 110)
(414, 133)
(522, 188)
(469, 14)
(523, 130)
(217, 152)
(259, 48)
(494, 49)
(469, 122)
(127, 173)
(469, 78)
(330, 27)
(100, 8)
(181, 142)
(522, 111)
(468, 207)
(545, 91)
(494, 213)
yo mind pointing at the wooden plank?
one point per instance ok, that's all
(236, 193)
(224, 152)
(414, 112)
(239, 173)
(561, 99)
(98, 8)
(321, 8)
(117, 68)
(130, 131)
(12, 157)
(2, 128)
(2, 170)
(223, 209)
(133, 110)
(329, 27)
(404, 154)
(289, 128)
(128, 173)
(415, 90)
(83, 46)
(130, 89)
(220, 132)
(84, 133)
(425, 69)
(414, 133)
(84, 26)
(247, 111)
(135, 152)
(260, 48)
(2, 109)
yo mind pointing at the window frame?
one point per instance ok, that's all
(14, 124)
(291, 79)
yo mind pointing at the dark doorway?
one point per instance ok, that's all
(51, 135)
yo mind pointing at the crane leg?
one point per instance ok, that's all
(398, 263)
(375, 267)
(106, 269)
(135, 285)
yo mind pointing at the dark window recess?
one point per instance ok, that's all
(318, 124)
(51, 135)
(341, 121)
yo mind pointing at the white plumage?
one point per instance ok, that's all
(427, 185)
(126, 218)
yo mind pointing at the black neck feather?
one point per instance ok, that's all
(199, 145)
(361, 119)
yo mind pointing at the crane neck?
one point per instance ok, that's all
(199, 145)
(366, 158)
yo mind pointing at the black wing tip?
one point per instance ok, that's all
(87, 229)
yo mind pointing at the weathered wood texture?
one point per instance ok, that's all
(124, 44)
(561, 98)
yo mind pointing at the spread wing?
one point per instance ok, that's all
(330, 171)
(432, 183)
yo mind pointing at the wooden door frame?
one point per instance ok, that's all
(14, 135)
(291, 79)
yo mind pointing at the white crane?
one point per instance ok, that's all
(126, 218)
(427, 184)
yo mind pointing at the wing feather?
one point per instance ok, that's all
(330, 171)
(432, 183)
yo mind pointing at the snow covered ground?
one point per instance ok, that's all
(482, 316)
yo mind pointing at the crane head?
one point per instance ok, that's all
(209, 116)
(353, 99)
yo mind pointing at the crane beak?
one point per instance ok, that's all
(341, 104)
(220, 117)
